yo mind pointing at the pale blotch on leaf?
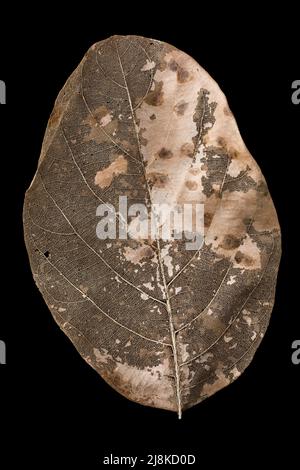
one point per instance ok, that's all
(104, 177)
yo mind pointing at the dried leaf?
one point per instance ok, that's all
(164, 325)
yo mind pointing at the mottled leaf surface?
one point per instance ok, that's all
(164, 326)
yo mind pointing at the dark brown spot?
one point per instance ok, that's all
(233, 154)
(191, 185)
(173, 65)
(207, 219)
(230, 242)
(162, 65)
(165, 153)
(263, 188)
(242, 257)
(194, 171)
(182, 75)
(187, 150)
(152, 117)
(227, 111)
(180, 108)
(221, 141)
(155, 97)
(158, 179)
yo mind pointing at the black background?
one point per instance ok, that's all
(54, 408)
